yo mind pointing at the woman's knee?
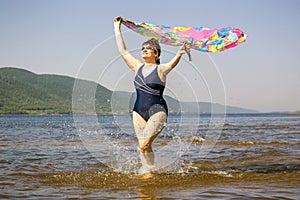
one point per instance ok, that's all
(145, 148)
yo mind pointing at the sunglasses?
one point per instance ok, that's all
(147, 48)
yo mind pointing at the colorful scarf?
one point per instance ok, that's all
(199, 38)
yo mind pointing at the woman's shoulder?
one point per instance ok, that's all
(138, 66)
(162, 67)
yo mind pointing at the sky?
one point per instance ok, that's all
(66, 37)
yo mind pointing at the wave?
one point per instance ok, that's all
(189, 176)
(251, 143)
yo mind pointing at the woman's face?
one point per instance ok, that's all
(149, 52)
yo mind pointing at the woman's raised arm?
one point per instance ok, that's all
(132, 62)
(167, 67)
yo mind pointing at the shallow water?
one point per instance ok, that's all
(250, 157)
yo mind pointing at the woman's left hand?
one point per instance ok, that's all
(185, 48)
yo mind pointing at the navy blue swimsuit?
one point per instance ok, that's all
(149, 94)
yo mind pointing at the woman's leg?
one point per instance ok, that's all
(146, 133)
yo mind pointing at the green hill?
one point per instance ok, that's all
(23, 92)
(28, 93)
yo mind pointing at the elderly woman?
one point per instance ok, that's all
(150, 109)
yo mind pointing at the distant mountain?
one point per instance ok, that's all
(23, 92)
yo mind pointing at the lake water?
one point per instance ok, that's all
(255, 156)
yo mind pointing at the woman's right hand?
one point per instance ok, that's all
(117, 22)
(118, 19)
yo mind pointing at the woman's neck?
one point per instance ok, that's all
(150, 63)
